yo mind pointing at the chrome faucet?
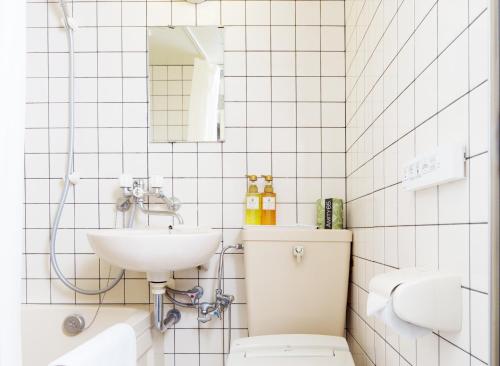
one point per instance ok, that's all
(207, 310)
(134, 193)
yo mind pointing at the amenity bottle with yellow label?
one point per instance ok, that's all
(253, 202)
(268, 202)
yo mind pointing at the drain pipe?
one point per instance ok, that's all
(173, 315)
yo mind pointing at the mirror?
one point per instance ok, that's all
(186, 84)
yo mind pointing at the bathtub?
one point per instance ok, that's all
(44, 340)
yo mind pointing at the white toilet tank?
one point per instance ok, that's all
(289, 293)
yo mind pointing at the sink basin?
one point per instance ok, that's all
(154, 250)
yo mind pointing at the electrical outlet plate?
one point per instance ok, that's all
(444, 164)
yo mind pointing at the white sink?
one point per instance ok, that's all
(155, 251)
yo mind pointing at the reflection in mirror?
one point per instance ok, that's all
(186, 84)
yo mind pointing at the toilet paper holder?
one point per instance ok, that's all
(426, 298)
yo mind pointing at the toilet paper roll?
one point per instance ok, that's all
(381, 307)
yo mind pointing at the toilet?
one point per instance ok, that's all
(296, 284)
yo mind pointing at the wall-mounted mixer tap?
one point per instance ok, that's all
(208, 310)
(134, 193)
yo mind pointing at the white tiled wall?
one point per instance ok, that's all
(417, 76)
(285, 115)
(169, 92)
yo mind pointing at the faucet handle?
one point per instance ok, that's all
(138, 189)
(126, 181)
(217, 313)
(195, 294)
(156, 181)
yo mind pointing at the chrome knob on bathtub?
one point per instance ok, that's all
(73, 324)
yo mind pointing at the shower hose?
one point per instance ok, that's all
(70, 27)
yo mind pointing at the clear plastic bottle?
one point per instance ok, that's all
(268, 202)
(253, 202)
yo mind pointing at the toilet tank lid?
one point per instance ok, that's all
(293, 341)
(294, 233)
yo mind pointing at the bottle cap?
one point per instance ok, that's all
(252, 178)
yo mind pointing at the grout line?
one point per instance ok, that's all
(358, 167)
(428, 120)
(296, 114)
(98, 155)
(438, 54)
(177, 181)
(48, 155)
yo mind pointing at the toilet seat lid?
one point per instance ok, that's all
(290, 349)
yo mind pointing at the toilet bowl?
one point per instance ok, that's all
(296, 286)
(290, 350)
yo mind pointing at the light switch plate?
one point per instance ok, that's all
(444, 164)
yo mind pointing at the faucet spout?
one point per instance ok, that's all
(133, 197)
(141, 206)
